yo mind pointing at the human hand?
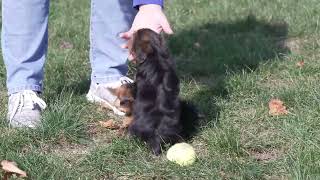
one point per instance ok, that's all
(150, 16)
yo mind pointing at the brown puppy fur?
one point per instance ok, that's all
(125, 96)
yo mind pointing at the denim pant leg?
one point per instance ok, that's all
(108, 19)
(24, 39)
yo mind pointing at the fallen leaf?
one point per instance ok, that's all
(197, 45)
(277, 108)
(10, 168)
(110, 124)
(300, 64)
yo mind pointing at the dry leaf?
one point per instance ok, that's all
(300, 64)
(276, 107)
(110, 124)
(197, 45)
(10, 167)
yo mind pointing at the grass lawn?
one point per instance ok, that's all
(233, 57)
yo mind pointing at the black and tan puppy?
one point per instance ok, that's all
(157, 109)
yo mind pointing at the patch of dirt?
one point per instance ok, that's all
(265, 155)
(71, 150)
(293, 44)
(66, 45)
(273, 82)
(275, 177)
(296, 44)
(200, 147)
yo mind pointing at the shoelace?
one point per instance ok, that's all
(19, 102)
(125, 80)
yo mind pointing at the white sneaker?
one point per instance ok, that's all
(100, 93)
(24, 109)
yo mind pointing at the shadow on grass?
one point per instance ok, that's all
(207, 53)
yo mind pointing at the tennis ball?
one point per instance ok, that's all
(182, 154)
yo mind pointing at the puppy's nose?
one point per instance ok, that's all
(122, 103)
(125, 102)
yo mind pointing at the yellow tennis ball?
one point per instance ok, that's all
(182, 154)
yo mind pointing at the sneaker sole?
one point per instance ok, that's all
(95, 99)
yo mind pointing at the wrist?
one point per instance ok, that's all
(147, 7)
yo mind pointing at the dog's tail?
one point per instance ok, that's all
(189, 117)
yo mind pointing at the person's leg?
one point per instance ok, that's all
(108, 59)
(108, 19)
(24, 44)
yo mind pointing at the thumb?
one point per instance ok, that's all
(126, 35)
(166, 27)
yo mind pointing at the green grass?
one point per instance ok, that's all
(233, 57)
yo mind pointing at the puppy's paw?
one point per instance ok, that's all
(155, 145)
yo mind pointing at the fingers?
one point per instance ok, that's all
(126, 35)
(166, 27)
(125, 46)
(130, 57)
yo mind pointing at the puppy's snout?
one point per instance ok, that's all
(122, 103)
(125, 101)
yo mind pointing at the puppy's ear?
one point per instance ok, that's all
(143, 48)
(146, 43)
(151, 41)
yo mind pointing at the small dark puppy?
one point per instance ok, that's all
(157, 109)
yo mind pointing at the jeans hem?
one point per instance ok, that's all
(36, 88)
(106, 79)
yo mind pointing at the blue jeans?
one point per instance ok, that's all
(24, 41)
